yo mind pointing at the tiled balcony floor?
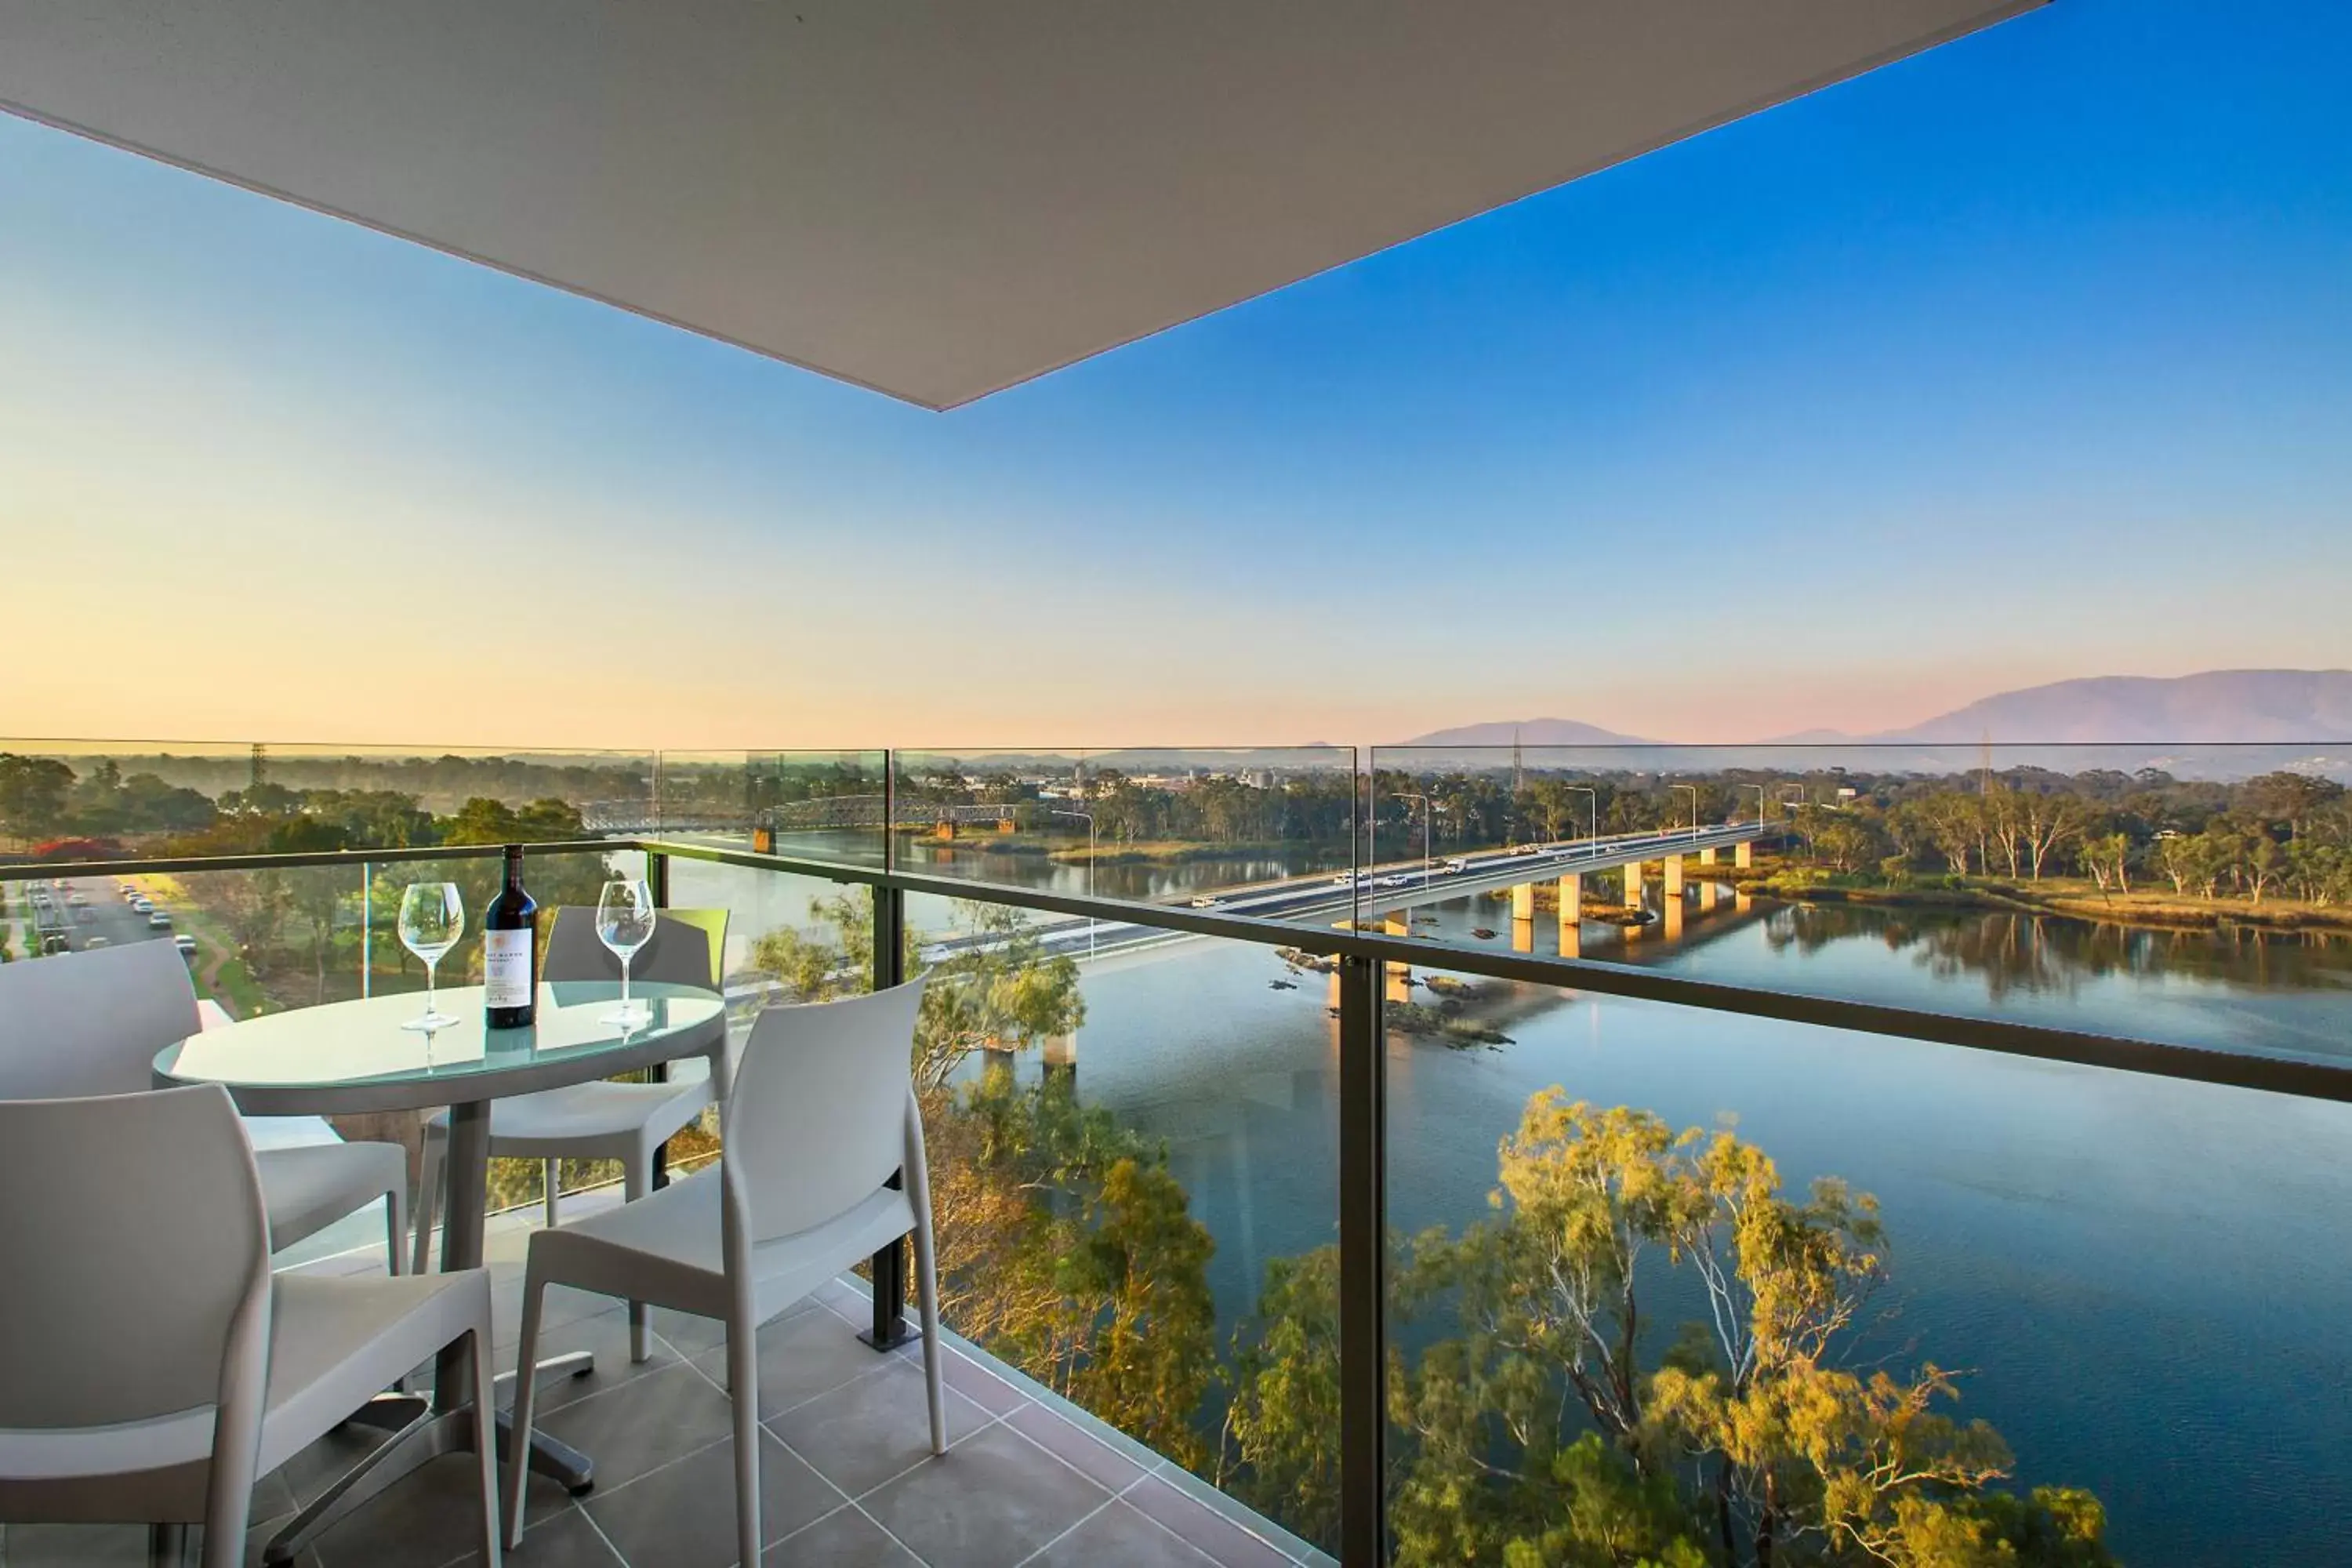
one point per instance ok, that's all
(847, 1476)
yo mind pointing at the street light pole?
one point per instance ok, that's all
(1694, 795)
(1589, 790)
(1760, 802)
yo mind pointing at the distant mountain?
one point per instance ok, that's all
(1527, 732)
(2221, 706)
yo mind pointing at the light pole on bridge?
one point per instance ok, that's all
(1595, 795)
(1694, 795)
(1426, 813)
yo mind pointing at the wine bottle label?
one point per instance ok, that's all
(505, 968)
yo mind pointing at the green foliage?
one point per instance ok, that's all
(1558, 1426)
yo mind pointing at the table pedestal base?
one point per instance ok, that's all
(418, 1438)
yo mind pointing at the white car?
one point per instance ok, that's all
(1392, 881)
(1344, 880)
(159, 921)
(1456, 865)
(1208, 902)
(144, 906)
(187, 944)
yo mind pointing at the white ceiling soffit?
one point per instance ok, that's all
(934, 198)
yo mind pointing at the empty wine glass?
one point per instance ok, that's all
(625, 923)
(432, 919)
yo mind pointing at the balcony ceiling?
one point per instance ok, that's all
(933, 199)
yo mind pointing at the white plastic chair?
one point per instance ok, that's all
(605, 1121)
(151, 1367)
(83, 1024)
(821, 1115)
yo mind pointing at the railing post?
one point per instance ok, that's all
(1363, 1266)
(657, 884)
(890, 1264)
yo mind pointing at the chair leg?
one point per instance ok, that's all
(486, 1441)
(167, 1545)
(534, 1292)
(429, 1170)
(395, 1224)
(927, 1294)
(554, 1175)
(744, 1390)
(637, 1180)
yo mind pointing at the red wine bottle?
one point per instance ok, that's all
(510, 953)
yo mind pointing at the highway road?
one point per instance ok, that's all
(105, 917)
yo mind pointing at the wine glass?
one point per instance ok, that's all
(625, 923)
(432, 919)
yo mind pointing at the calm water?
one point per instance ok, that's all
(2145, 1280)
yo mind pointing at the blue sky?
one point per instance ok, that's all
(2028, 358)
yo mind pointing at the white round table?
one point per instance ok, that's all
(350, 1058)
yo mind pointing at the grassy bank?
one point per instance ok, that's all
(2073, 896)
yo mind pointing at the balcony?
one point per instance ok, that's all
(1247, 1043)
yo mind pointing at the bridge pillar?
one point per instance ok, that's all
(1707, 855)
(1673, 869)
(1523, 901)
(1332, 999)
(1744, 855)
(1399, 922)
(1742, 901)
(1674, 917)
(1571, 898)
(1708, 894)
(1572, 939)
(1634, 885)
(1062, 1055)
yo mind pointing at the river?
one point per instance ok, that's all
(2144, 1280)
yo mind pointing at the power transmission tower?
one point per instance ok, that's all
(1518, 762)
(260, 766)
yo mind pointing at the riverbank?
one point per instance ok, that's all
(2072, 896)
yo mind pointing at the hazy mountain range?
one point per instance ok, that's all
(2219, 707)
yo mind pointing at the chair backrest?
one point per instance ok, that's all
(90, 1023)
(132, 1240)
(688, 947)
(816, 1118)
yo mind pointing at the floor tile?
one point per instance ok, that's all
(802, 1354)
(74, 1546)
(1203, 1526)
(424, 1521)
(1097, 1461)
(845, 1538)
(604, 1336)
(986, 1503)
(864, 1433)
(643, 1424)
(565, 1540)
(1119, 1535)
(683, 1515)
(975, 1382)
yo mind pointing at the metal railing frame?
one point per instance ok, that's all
(1362, 1089)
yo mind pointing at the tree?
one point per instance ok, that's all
(1540, 1434)
(2108, 861)
(32, 793)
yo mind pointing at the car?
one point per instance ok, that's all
(1456, 864)
(55, 942)
(1344, 880)
(76, 897)
(90, 943)
(186, 943)
(1392, 881)
(1524, 849)
(130, 891)
(1208, 902)
(159, 921)
(144, 906)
